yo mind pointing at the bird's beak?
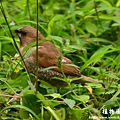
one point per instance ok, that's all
(18, 32)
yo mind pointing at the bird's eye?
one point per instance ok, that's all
(23, 33)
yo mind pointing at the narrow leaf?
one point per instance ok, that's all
(53, 113)
(96, 56)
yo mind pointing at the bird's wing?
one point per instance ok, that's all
(68, 67)
(48, 55)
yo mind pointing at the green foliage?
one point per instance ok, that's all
(88, 33)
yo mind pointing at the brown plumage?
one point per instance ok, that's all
(48, 56)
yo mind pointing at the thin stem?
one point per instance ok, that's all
(95, 6)
(36, 85)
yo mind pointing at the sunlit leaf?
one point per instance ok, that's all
(92, 28)
(69, 102)
(82, 98)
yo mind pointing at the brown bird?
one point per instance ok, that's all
(48, 56)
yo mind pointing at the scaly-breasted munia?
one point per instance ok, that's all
(48, 56)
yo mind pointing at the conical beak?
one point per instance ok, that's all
(18, 32)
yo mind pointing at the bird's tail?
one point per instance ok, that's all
(88, 79)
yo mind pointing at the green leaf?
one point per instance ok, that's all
(91, 28)
(112, 103)
(24, 114)
(100, 40)
(113, 76)
(0, 50)
(50, 25)
(32, 44)
(116, 115)
(96, 56)
(69, 102)
(105, 1)
(118, 3)
(52, 112)
(110, 91)
(57, 38)
(40, 96)
(30, 100)
(82, 98)
(21, 107)
(116, 94)
(29, 52)
(54, 95)
(77, 112)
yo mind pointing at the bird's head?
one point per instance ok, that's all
(28, 34)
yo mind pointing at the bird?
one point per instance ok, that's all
(52, 64)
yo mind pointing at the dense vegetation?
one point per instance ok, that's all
(87, 32)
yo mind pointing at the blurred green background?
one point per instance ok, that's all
(87, 32)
